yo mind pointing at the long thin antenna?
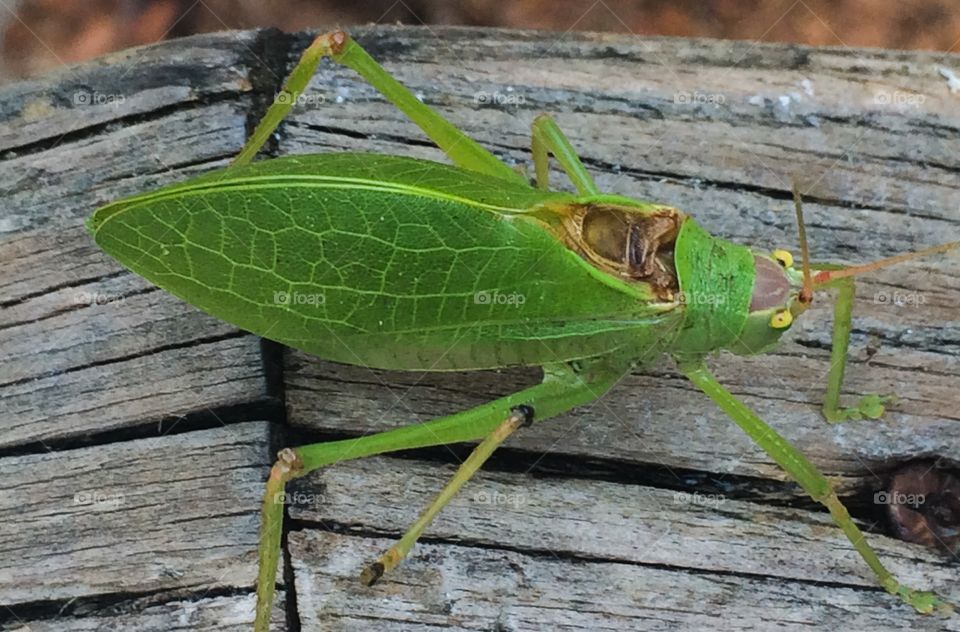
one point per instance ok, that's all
(826, 276)
(806, 294)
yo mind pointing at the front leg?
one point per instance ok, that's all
(869, 406)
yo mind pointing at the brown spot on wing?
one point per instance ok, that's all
(634, 243)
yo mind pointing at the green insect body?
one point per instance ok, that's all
(397, 263)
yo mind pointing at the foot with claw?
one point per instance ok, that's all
(869, 407)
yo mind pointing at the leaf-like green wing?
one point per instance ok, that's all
(381, 261)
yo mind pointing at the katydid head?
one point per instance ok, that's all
(781, 293)
(778, 295)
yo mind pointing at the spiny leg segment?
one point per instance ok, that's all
(519, 416)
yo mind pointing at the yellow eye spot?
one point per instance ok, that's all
(784, 257)
(781, 320)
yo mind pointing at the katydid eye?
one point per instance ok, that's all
(781, 319)
(783, 257)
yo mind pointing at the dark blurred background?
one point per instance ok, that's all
(37, 35)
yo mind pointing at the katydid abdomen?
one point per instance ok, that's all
(387, 262)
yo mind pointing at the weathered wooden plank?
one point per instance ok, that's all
(600, 520)
(134, 82)
(716, 128)
(177, 512)
(201, 378)
(213, 614)
(456, 587)
(87, 347)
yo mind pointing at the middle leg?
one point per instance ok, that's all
(548, 139)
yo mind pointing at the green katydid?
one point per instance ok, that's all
(408, 256)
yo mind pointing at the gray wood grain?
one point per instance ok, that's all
(592, 519)
(213, 614)
(161, 515)
(600, 525)
(86, 346)
(465, 588)
(103, 529)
